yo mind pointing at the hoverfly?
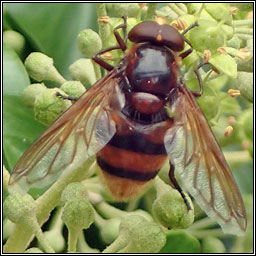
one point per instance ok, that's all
(124, 119)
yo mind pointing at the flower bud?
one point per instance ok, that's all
(219, 11)
(40, 67)
(30, 93)
(245, 85)
(207, 36)
(234, 42)
(123, 9)
(228, 30)
(171, 211)
(19, 208)
(89, 43)
(194, 7)
(78, 214)
(169, 207)
(73, 89)
(83, 71)
(141, 235)
(212, 101)
(48, 106)
(167, 12)
(212, 244)
(209, 98)
(73, 191)
(14, 39)
(33, 250)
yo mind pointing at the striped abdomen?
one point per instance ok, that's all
(133, 156)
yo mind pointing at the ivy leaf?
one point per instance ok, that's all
(19, 127)
(179, 241)
(52, 28)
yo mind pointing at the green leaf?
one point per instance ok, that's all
(225, 64)
(13, 84)
(52, 28)
(179, 241)
(19, 127)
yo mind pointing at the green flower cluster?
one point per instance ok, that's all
(224, 40)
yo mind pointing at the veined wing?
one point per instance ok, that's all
(79, 133)
(204, 172)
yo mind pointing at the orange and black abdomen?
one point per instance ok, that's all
(136, 153)
(133, 157)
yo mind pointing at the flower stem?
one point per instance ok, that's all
(238, 157)
(40, 236)
(109, 211)
(23, 235)
(203, 223)
(209, 232)
(238, 23)
(117, 245)
(151, 11)
(96, 70)
(6, 177)
(176, 9)
(104, 29)
(246, 31)
(73, 234)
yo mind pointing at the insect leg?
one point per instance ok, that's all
(176, 186)
(66, 97)
(121, 45)
(190, 27)
(200, 82)
(119, 39)
(186, 53)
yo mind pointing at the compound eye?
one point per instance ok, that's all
(151, 31)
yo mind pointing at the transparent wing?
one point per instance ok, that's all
(199, 161)
(79, 133)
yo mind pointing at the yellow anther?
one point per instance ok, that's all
(234, 93)
(228, 131)
(207, 56)
(104, 19)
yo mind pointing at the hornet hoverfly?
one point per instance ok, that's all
(123, 120)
